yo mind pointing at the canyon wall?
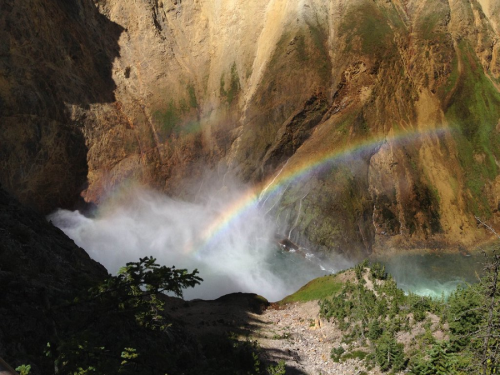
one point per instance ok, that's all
(389, 108)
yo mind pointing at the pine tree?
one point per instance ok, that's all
(439, 360)
(389, 354)
(489, 329)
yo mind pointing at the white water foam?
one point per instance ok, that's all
(242, 258)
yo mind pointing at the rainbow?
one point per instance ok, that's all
(297, 171)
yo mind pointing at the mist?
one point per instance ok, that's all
(242, 256)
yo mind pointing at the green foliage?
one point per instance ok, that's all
(316, 289)
(101, 336)
(137, 288)
(464, 314)
(355, 302)
(234, 85)
(378, 271)
(128, 354)
(358, 270)
(469, 317)
(150, 276)
(168, 120)
(356, 354)
(490, 328)
(375, 330)
(279, 369)
(337, 307)
(439, 359)
(419, 306)
(336, 353)
(474, 109)
(119, 326)
(474, 316)
(193, 102)
(23, 369)
(389, 354)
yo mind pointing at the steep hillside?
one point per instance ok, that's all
(375, 121)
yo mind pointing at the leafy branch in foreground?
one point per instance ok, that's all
(120, 326)
(138, 286)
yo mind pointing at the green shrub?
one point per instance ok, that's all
(378, 271)
(419, 306)
(279, 369)
(336, 353)
(358, 270)
(119, 325)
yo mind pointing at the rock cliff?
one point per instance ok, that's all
(392, 107)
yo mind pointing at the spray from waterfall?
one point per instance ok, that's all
(227, 234)
(137, 222)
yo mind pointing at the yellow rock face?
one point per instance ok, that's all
(397, 100)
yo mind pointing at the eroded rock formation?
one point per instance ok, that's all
(400, 97)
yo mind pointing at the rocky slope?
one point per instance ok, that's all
(396, 101)
(292, 333)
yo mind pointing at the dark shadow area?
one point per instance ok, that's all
(53, 54)
(5, 368)
(227, 328)
(46, 285)
(286, 355)
(56, 59)
(39, 267)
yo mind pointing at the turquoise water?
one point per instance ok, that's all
(432, 274)
(426, 274)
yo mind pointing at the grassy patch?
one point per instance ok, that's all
(452, 79)
(321, 57)
(309, 45)
(369, 24)
(168, 119)
(234, 85)
(192, 97)
(356, 354)
(393, 16)
(316, 289)
(302, 54)
(428, 25)
(178, 116)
